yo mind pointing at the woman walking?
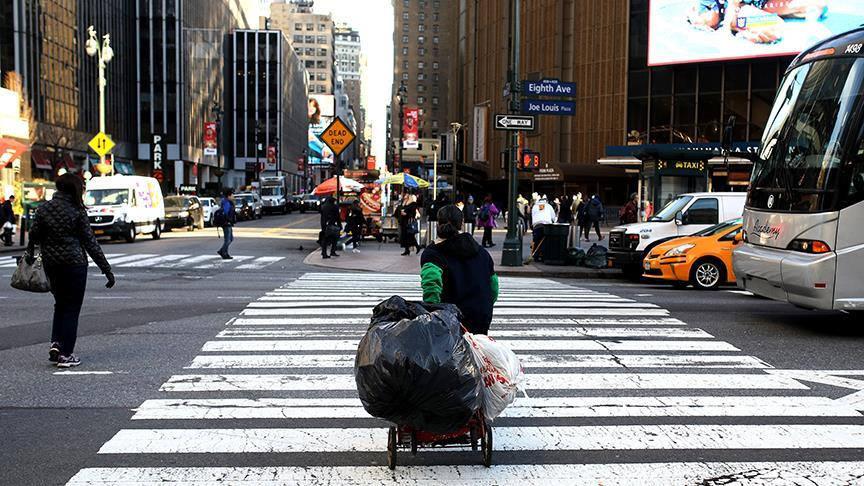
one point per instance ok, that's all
(406, 214)
(62, 230)
(486, 220)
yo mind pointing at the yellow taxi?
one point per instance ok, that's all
(703, 259)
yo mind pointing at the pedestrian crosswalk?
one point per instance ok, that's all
(180, 261)
(618, 392)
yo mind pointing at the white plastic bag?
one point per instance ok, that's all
(501, 371)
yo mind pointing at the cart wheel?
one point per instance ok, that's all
(413, 443)
(474, 438)
(391, 448)
(486, 445)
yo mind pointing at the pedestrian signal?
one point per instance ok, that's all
(529, 161)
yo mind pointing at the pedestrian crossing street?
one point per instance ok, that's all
(179, 261)
(619, 392)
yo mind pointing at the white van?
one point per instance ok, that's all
(682, 216)
(123, 206)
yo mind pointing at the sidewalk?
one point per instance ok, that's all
(386, 258)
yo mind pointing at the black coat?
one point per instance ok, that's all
(594, 211)
(7, 214)
(470, 213)
(62, 230)
(565, 214)
(330, 214)
(355, 220)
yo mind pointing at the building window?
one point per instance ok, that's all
(404, 75)
(422, 16)
(421, 51)
(322, 27)
(309, 39)
(310, 64)
(434, 122)
(436, 4)
(421, 88)
(435, 28)
(404, 64)
(404, 27)
(435, 39)
(405, 16)
(421, 76)
(420, 39)
(435, 100)
(404, 51)
(421, 28)
(310, 27)
(421, 65)
(404, 39)
(421, 100)
(322, 39)
(298, 26)
(435, 65)
(298, 39)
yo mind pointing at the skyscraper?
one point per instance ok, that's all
(349, 65)
(311, 36)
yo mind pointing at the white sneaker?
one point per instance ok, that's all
(355, 250)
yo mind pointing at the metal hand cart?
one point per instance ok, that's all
(477, 433)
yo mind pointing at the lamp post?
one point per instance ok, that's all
(455, 127)
(402, 91)
(258, 129)
(103, 53)
(218, 113)
(511, 256)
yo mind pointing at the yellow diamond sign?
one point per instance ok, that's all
(337, 136)
(101, 144)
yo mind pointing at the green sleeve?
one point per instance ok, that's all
(494, 288)
(432, 281)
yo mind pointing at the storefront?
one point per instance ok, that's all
(663, 171)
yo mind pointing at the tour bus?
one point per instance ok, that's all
(804, 218)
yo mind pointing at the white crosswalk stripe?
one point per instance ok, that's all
(183, 261)
(603, 373)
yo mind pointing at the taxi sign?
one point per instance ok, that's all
(337, 136)
(101, 144)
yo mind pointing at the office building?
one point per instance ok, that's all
(312, 36)
(266, 108)
(423, 47)
(350, 66)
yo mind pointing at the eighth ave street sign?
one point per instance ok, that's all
(514, 122)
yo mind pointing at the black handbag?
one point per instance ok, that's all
(332, 231)
(413, 228)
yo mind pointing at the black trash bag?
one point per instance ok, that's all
(595, 257)
(414, 368)
(575, 257)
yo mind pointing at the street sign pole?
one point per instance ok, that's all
(512, 254)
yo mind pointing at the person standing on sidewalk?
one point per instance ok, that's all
(7, 220)
(331, 227)
(594, 213)
(486, 220)
(630, 212)
(470, 215)
(62, 230)
(354, 225)
(406, 215)
(541, 214)
(226, 221)
(455, 270)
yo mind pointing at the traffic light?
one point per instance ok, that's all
(530, 160)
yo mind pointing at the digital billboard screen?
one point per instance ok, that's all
(684, 31)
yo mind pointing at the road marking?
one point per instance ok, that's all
(260, 263)
(131, 258)
(220, 263)
(77, 372)
(515, 345)
(621, 474)
(346, 361)
(511, 304)
(503, 311)
(547, 407)
(496, 322)
(740, 292)
(545, 332)
(562, 381)
(155, 262)
(111, 297)
(192, 261)
(374, 300)
(568, 438)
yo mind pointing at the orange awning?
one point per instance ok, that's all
(10, 150)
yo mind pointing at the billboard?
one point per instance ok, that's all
(211, 143)
(684, 31)
(322, 111)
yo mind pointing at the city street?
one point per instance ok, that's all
(195, 371)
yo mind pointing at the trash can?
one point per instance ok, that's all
(555, 244)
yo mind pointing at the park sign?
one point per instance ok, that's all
(337, 136)
(549, 107)
(514, 122)
(549, 87)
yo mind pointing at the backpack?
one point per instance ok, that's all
(219, 218)
(484, 214)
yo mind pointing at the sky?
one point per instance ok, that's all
(374, 20)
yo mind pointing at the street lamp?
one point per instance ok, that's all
(104, 54)
(402, 93)
(455, 127)
(259, 127)
(218, 112)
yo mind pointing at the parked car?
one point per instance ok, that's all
(682, 216)
(295, 202)
(210, 205)
(310, 202)
(703, 259)
(253, 200)
(125, 206)
(183, 212)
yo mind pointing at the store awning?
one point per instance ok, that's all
(10, 151)
(42, 159)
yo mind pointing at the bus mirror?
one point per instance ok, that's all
(679, 218)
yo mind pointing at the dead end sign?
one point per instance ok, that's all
(337, 136)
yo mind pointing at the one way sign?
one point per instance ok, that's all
(514, 122)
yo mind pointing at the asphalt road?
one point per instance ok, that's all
(185, 328)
